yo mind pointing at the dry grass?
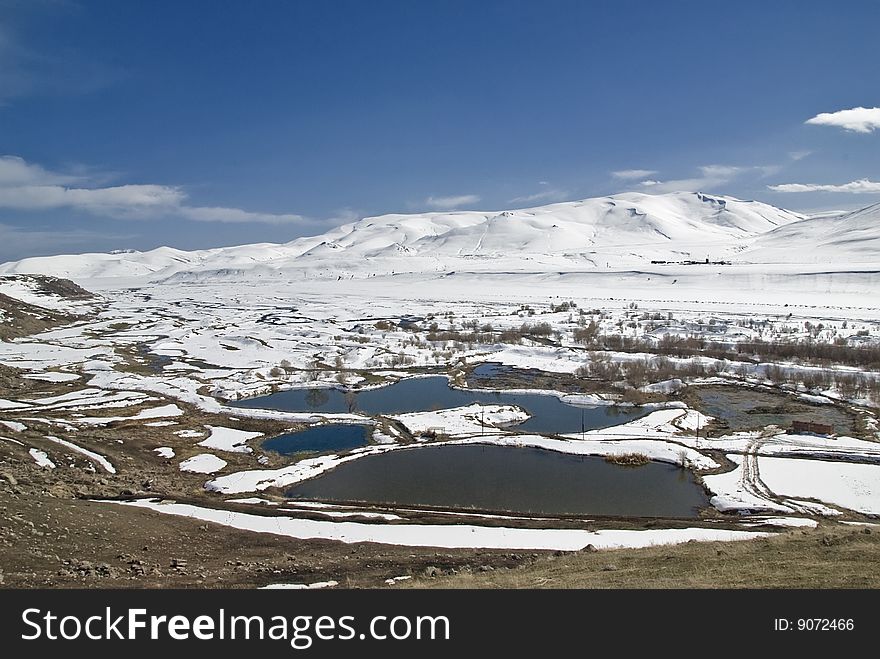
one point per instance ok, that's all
(833, 557)
(628, 459)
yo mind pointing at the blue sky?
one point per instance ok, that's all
(205, 123)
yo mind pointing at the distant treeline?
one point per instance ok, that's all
(806, 351)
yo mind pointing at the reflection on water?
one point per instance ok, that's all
(332, 437)
(549, 414)
(525, 480)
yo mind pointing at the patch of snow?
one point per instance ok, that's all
(450, 536)
(300, 586)
(253, 500)
(28, 290)
(818, 400)
(164, 452)
(15, 426)
(463, 420)
(149, 413)
(339, 513)
(381, 438)
(97, 457)
(203, 463)
(229, 439)
(187, 434)
(53, 376)
(664, 387)
(789, 522)
(41, 458)
(693, 420)
(853, 486)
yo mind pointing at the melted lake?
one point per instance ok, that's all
(521, 480)
(549, 414)
(331, 437)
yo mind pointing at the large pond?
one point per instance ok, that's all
(549, 414)
(331, 437)
(521, 480)
(739, 408)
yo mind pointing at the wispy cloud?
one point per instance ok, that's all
(711, 176)
(221, 214)
(799, 155)
(633, 174)
(682, 184)
(862, 186)
(720, 171)
(856, 120)
(29, 187)
(544, 195)
(449, 203)
(15, 171)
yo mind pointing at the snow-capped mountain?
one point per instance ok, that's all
(626, 230)
(844, 238)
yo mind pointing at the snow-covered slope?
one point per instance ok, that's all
(625, 230)
(844, 238)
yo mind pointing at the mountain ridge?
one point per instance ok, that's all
(621, 231)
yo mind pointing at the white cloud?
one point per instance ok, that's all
(856, 120)
(448, 203)
(122, 199)
(545, 195)
(720, 171)
(15, 171)
(632, 174)
(221, 214)
(862, 186)
(682, 185)
(711, 177)
(770, 170)
(29, 187)
(799, 155)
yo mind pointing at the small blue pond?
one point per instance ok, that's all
(332, 437)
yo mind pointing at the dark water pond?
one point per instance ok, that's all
(523, 480)
(491, 370)
(549, 414)
(331, 437)
(745, 409)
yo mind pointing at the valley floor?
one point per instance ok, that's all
(127, 399)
